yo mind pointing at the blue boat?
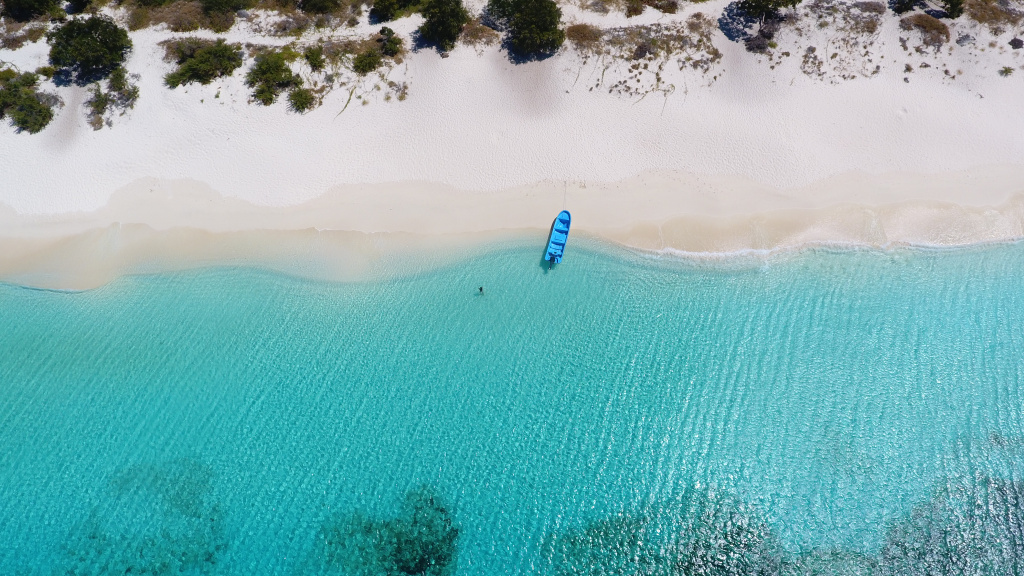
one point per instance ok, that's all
(559, 236)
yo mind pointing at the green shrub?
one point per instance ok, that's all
(367, 61)
(98, 104)
(443, 22)
(20, 101)
(25, 10)
(954, 8)
(501, 10)
(664, 6)
(35, 33)
(204, 63)
(31, 115)
(219, 21)
(270, 75)
(390, 45)
(903, 6)
(183, 49)
(532, 25)
(120, 95)
(533, 28)
(118, 80)
(384, 10)
(933, 32)
(224, 6)
(301, 99)
(78, 6)
(314, 56)
(46, 71)
(320, 6)
(584, 36)
(387, 10)
(996, 15)
(476, 33)
(90, 49)
(764, 8)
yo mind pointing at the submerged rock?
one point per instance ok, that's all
(161, 519)
(967, 528)
(730, 538)
(831, 563)
(422, 540)
(703, 533)
(625, 543)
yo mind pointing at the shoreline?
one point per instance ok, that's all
(705, 151)
(378, 231)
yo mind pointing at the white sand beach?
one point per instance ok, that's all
(751, 152)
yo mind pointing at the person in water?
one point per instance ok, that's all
(481, 289)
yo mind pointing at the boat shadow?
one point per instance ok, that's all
(544, 263)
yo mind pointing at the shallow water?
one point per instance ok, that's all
(604, 417)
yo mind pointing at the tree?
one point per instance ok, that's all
(763, 8)
(501, 10)
(384, 10)
(78, 6)
(320, 6)
(23, 10)
(533, 27)
(388, 10)
(954, 8)
(91, 48)
(222, 6)
(901, 6)
(443, 23)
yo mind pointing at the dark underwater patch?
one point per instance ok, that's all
(161, 519)
(969, 528)
(703, 533)
(421, 540)
(625, 543)
(831, 563)
(730, 538)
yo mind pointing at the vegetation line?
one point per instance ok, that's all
(350, 93)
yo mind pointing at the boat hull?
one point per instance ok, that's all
(558, 237)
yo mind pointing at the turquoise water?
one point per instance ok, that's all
(621, 414)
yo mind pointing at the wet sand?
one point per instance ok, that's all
(355, 232)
